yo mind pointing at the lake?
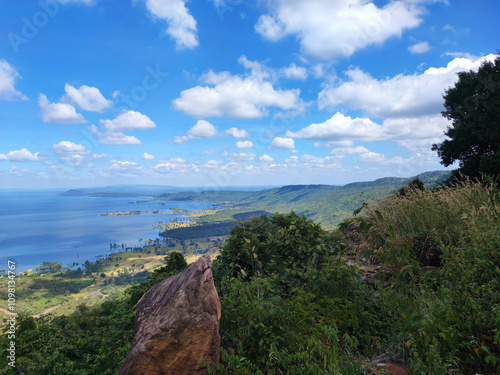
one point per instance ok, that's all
(37, 226)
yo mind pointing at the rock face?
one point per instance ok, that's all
(177, 324)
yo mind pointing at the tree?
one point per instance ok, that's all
(473, 106)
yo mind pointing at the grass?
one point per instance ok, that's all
(456, 215)
(450, 309)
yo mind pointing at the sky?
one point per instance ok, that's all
(229, 92)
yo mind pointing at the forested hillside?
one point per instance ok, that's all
(324, 204)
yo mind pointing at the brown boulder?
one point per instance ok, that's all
(177, 324)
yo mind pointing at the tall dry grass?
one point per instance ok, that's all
(405, 226)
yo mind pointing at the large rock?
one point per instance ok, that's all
(177, 324)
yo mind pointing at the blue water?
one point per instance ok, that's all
(37, 226)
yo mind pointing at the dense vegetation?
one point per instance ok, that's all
(92, 340)
(200, 231)
(294, 300)
(325, 204)
(292, 305)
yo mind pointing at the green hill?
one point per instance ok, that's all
(325, 204)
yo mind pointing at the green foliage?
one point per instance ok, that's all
(474, 137)
(90, 341)
(278, 244)
(450, 313)
(200, 231)
(415, 184)
(49, 267)
(290, 305)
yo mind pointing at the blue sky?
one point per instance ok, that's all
(230, 92)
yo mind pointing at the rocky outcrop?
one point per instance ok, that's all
(177, 324)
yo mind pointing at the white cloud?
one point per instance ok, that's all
(8, 77)
(62, 113)
(125, 168)
(181, 24)
(113, 138)
(87, 98)
(237, 133)
(371, 157)
(21, 155)
(432, 126)
(242, 157)
(176, 166)
(67, 148)
(100, 156)
(401, 96)
(340, 127)
(311, 162)
(202, 129)
(236, 96)
(244, 145)
(128, 120)
(179, 140)
(349, 150)
(418, 48)
(343, 143)
(295, 72)
(147, 156)
(266, 159)
(71, 152)
(331, 29)
(283, 143)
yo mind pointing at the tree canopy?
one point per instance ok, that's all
(473, 106)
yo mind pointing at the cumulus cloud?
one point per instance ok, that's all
(342, 130)
(62, 113)
(371, 157)
(400, 96)
(176, 166)
(202, 129)
(266, 159)
(127, 121)
(113, 133)
(295, 72)
(349, 150)
(125, 168)
(8, 77)
(71, 152)
(331, 29)
(241, 157)
(244, 145)
(147, 156)
(340, 127)
(283, 143)
(311, 162)
(237, 133)
(238, 96)
(21, 155)
(67, 148)
(87, 98)
(181, 24)
(113, 138)
(418, 48)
